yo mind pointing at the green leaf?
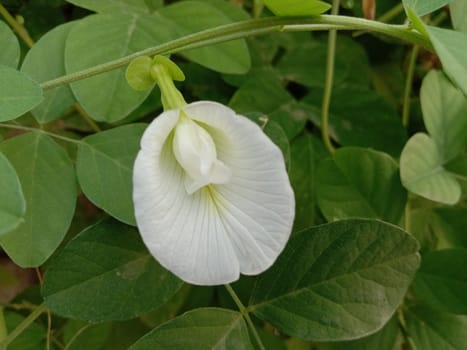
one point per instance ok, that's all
(12, 205)
(451, 47)
(422, 171)
(188, 17)
(108, 97)
(444, 113)
(292, 117)
(306, 152)
(306, 64)
(385, 339)
(453, 222)
(275, 132)
(360, 117)
(9, 56)
(297, 7)
(338, 281)
(119, 6)
(79, 335)
(49, 186)
(44, 61)
(206, 328)
(264, 93)
(106, 273)
(230, 9)
(360, 182)
(18, 93)
(32, 338)
(105, 168)
(423, 7)
(441, 283)
(458, 11)
(430, 329)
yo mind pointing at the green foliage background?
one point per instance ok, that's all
(377, 252)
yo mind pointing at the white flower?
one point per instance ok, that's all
(211, 193)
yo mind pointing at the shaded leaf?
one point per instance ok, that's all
(106, 273)
(32, 338)
(80, 335)
(306, 152)
(264, 93)
(207, 328)
(441, 283)
(453, 222)
(360, 182)
(359, 117)
(385, 339)
(306, 63)
(338, 281)
(430, 329)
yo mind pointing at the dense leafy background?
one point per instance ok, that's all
(376, 257)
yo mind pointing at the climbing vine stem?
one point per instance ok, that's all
(249, 28)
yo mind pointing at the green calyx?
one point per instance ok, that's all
(143, 72)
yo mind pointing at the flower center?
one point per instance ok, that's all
(196, 153)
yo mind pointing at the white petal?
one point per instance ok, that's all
(183, 232)
(257, 205)
(195, 151)
(212, 235)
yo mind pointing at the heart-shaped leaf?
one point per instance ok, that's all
(423, 173)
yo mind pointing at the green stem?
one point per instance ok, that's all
(28, 128)
(407, 216)
(385, 17)
(22, 326)
(245, 29)
(328, 83)
(408, 85)
(18, 28)
(244, 312)
(3, 330)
